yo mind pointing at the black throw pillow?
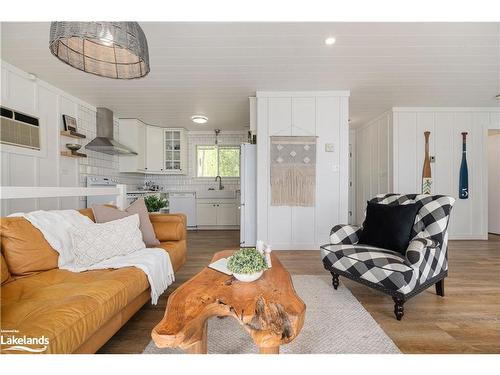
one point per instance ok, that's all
(388, 227)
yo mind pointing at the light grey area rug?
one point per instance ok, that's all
(335, 323)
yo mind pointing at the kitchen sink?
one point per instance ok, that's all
(208, 194)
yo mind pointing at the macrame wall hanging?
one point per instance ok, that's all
(293, 171)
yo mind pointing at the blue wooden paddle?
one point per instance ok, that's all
(463, 183)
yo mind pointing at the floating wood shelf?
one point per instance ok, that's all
(73, 154)
(70, 134)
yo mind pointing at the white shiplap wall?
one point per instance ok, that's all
(23, 167)
(319, 113)
(373, 158)
(404, 128)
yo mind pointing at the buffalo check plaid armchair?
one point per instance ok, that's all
(401, 276)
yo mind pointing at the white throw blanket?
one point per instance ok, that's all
(57, 225)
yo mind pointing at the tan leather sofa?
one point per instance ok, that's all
(77, 312)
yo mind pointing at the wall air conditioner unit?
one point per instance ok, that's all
(19, 129)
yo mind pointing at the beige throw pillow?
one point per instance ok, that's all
(97, 242)
(103, 214)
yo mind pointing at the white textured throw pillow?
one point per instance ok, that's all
(94, 243)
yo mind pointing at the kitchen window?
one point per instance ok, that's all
(212, 161)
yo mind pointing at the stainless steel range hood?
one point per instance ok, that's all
(104, 141)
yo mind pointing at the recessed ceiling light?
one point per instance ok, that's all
(330, 41)
(198, 119)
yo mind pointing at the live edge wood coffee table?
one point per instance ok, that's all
(269, 309)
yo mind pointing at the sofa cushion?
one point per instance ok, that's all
(95, 243)
(5, 271)
(104, 214)
(88, 212)
(170, 227)
(25, 249)
(68, 307)
(176, 251)
(384, 268)
(388, 227)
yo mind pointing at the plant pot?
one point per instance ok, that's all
(248, 277)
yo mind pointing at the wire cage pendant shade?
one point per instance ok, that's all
(109, 49)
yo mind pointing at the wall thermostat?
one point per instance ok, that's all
(329, 147)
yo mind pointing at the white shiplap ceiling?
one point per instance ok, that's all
(212, 68)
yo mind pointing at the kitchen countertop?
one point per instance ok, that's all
(145, 191)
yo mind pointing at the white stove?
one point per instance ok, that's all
(97, 181)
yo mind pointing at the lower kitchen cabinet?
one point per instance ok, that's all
(206, 214)
(227, 214)
(216, 213)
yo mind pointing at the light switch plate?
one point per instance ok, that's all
(329, 147)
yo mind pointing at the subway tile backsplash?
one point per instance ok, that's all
(99, 164)
(190, 182)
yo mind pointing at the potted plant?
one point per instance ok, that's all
(247, 264)
(155, 203)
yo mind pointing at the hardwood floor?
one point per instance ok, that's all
(466, 320)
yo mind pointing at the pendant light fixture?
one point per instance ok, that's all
(109, 49)
(217, 131)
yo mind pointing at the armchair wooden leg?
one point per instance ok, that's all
(398, 307)
(335, 280)
(440, 288)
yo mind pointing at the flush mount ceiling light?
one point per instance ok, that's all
(497, 97)
(199, 119)
(330, 41)
(108, 49)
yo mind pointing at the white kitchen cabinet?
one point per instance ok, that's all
(154, 149)
(175, 151)
(132, 133)
(217, 213)
(227, 214)
(206, 214)
(159, 150)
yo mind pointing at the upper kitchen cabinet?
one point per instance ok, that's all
(175, 151)
(159, 150)
(154, 149)
(132, 133)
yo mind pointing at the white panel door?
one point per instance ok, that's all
(154, 149)
(206, 214)
(303, 226)
(280, 225)
(303, 116)
(303, 124)
(327, 167)
(280, 116)
(227, 214)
